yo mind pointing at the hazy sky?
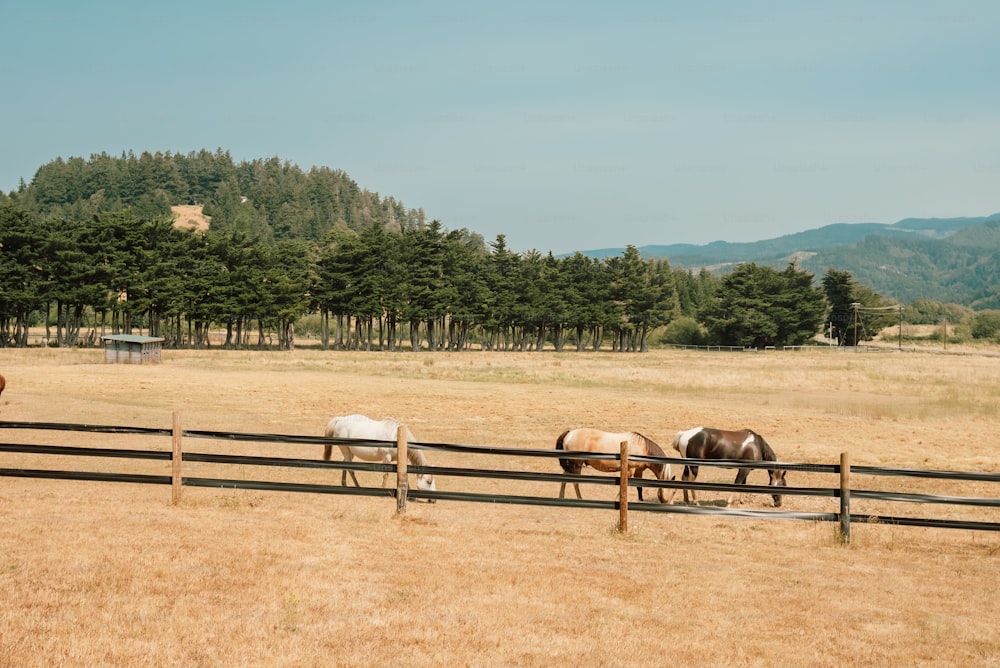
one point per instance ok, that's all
(562, 125)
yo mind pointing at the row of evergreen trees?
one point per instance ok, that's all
(422, 286)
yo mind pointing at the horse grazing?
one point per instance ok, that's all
(362, 427)
(594, 440)
(708, 443)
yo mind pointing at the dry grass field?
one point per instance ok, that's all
(111, 574)
(190, 216)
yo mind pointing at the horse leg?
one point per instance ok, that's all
(690, 475)
(385, 476)
(348, 457)
(562, 490)
(741, 479)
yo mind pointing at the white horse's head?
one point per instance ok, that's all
(426, 483)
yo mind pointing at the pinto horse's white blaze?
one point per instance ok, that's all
(362, 427)
(597, 441)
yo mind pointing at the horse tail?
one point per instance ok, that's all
(676, 442)
(561, 441)
(330, 431)
(568, 465)
(682, 440)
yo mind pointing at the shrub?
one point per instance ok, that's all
(985, 325)
(684, 331)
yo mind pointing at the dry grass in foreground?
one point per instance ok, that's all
(102, 574)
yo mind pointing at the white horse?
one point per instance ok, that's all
(362, 427)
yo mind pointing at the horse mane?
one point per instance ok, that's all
(654, 448)
(659, 468)
(765, 450)
(415, 456)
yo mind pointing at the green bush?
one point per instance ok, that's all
(985, 325)
(685, 331)
(308, 325)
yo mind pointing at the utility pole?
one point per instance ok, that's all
(900, 326)
(855, 306)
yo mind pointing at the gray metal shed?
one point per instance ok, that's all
(132, 349)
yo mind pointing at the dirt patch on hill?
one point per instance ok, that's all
(190, 216)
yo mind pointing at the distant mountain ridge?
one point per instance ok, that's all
(953, 260)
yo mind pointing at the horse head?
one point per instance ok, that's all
(426, 483)
(777, 476)
(777, 480)
(660, 470)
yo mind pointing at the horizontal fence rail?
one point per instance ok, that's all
(402, 491)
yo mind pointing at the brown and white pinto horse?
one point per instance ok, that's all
(594, 440)
(709, 443)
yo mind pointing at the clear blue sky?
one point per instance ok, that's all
(563, 125)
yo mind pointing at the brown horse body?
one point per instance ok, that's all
(709, 443)
(597, 441)
(3, 383)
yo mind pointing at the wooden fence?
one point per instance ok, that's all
(178, 456)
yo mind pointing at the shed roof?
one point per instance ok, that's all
(132, 338)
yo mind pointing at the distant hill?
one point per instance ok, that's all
(945, 259)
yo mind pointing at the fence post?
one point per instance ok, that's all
(845, 497)
(402, 486)
(175, 461)
(623, 491)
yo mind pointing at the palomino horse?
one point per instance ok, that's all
(594, 440)
(708, 443)
(362, 427)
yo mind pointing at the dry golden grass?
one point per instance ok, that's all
(190, 216)
(110, 574)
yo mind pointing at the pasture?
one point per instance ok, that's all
(110, 574)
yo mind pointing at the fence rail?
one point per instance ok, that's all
(177, 456)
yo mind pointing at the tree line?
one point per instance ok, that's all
(88, 248)
(422, 287)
